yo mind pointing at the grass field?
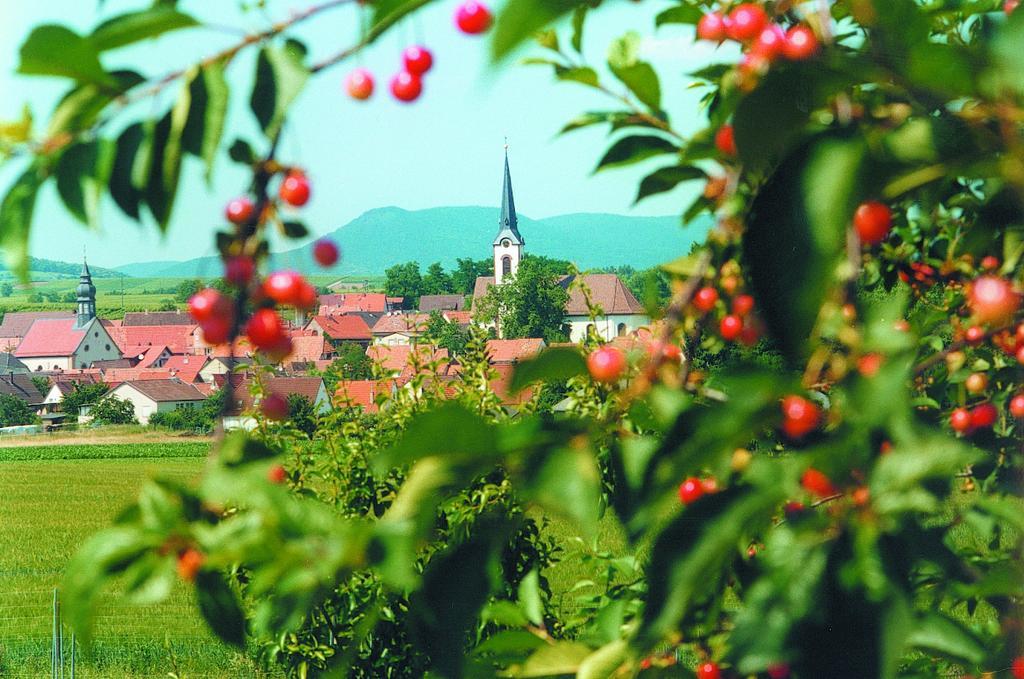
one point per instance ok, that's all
(51, 499)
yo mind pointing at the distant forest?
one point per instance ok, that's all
(69, 269)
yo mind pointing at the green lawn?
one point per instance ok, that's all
(48, 507)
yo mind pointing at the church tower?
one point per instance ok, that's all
(508, 244)
(86, 298)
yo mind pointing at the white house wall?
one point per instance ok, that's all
(607, 327)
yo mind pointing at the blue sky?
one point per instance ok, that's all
(446, 149)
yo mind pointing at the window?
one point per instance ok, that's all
(108, 347)
(506, 265)
(622, 330)
(85, 348)
(96, 334)
(505, 242)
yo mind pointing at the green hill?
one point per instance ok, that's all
(49, 269)
(382, 237)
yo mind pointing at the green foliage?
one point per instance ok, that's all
(302, 414)
(404, 280)
(186, 289)
(352, 363)
(446, 334)
(6, 289)
(113, 410)
(14, 411)
(81, 394)
(201, 419)
(532, 304)
(42, 384)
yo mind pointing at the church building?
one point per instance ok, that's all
(69, 343)
(621, 312)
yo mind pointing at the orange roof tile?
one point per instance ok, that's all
(513, 350)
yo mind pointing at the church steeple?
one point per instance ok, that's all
(508, 244)
(86, 297)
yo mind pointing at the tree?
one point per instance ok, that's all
(81, 394)
(69, 297)
(404, 280)
(302, 414)
(6, 289)
(532, 304)
(467, 271)
(352, 363)
(186, 289)
(41, 383)
(113, 410)
(14, 412)
(436, 281)
(445, 334)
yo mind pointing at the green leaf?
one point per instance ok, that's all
(937, 633)
(57, 50)
(238, 449)
(558, 363)
(594, 118)
(125, 194)
(666, 179)
(530, 601)
(797, 228)
(520, 19)
(1006, 72)
(633, 149)
(295, 229)
(552, 660)
(160, 189)
(579, 15)
(386, 13)
(450, 430)
(220, 607)
(80, 108)
(132, 27)
(172, 148)
(638, 76)
(681, 14)
(205, 126)
(605, 662)
(82, 173)
(281, 74)
(16, 221)
(241, 152)
(149, 579)
(580, 74)
(566, 482)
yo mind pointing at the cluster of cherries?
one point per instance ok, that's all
(763, 40)
(471, 17)
(740, 323)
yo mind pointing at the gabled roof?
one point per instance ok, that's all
(157, 318)
(394, 359)
(151, 355)
(442, 303)
(308, 348)
(363, 393)
(308, 387)
(10, 364)
(344, 328)
(20, 386)
(375, 302)
(607, 291)
(112, 363)
(165, 391)
(185, 367)
(51, 337)
(513, 350)
(17, 323)
(407, 324)
(133, 340)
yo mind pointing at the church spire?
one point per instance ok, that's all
(508, 223)
(86, 297)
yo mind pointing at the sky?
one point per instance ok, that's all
(444, 149)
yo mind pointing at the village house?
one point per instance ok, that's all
(242, 402)
(347, 328)
(21, 386)
(16, 324)
(430, 303)
(157, 396)
(512, 351)
(399, 329)
(619, 312)
(68, 343)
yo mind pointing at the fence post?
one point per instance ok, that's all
(53, 640)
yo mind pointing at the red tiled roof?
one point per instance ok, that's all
(344, 328)
(308, 348)
(151, 355)
(363, 393)
(500, 386)
(408, 324)
(50, 337)
(136, 339)
(513, 350)
(607, 291)
(185, 367)
(17, 323)
(357, 301)
(458, 317)
(308, 387)
(396, 358)
(166, 391)
(118, 375)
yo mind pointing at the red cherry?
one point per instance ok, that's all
(983, 416)
(239, 210)
(974, 334)
(778, 671)
(307, 296)
(1017, 406)
(295, 189)
(359, 84)
(960, 420)
(417, 59)
(725, 141)
(730, 327)
(275, 407)
(690, 490)
(705, 298)
(284, 287)
(239, 270)
(816, 483)
(473, 17)
(265, 329)
(1019, 334)
(746, 22)
(709, 670)
(1008, 7)
(750, 335)
(770, 43)
(208, 303)
(742, 305)
(872, 220)
(325, 252)
(217, 329)
(793, 510)
(189, 563)
(868, 365)
(799, 416)
(989, 262)
(992, 299)
(801, 43)
(406, 86)
(713, 26)
(277, 474)
(665, 352)
(976, 383)
(606, 364)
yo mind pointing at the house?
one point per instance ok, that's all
(619, 312)
(157, 396)
(136, 341)
(394, 359)
(399, 328)
(463, 319)
(430, 303)
(512, 351)
(363, 393)
(9, 363)
(16, 324)
(185, 367)
(372, 302)
(242, 402)
(221, 365)
(347, 328)
(150, 318)
(21, 386)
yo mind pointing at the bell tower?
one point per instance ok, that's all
(86, 298)
(508, 244)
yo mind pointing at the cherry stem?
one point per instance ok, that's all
(955, 346)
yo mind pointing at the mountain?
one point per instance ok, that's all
(55, 269)
(382, 237)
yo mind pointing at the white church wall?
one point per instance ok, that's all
(607, 327)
